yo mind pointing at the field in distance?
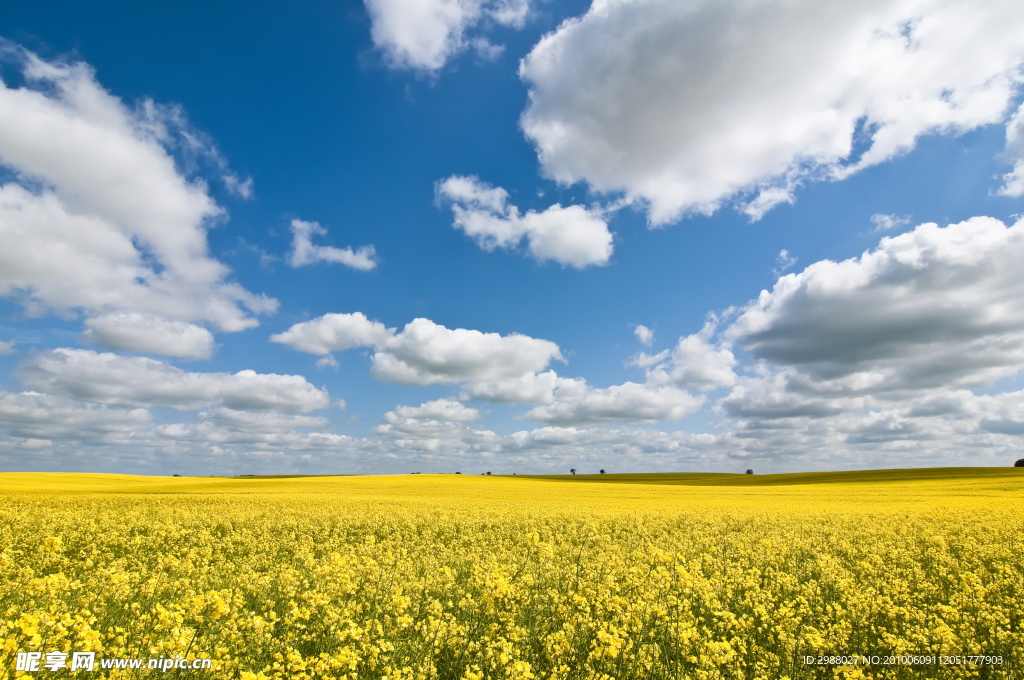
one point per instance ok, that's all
(851, 476)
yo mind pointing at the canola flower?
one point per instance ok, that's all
(464, 578)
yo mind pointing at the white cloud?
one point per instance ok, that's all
(304, 252)
(137, 381)
(645, 360)
(99, 218)
(866, 361)
(644, 334)
(334, 333)
(261, 421)
(529, 388)
(424, 34)
(694, 363)
(327, 361)
(45, 417)
(887, 222)
(7, 347)
(439, 409)
(773, 397)
(690, 104)
(573, 235)
(783, 262)
(241, 188)
(629, 402)
(426, 353)
(149, 333)
(623, 446)
(1013, 181)
(931, 307)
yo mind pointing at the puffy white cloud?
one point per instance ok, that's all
(933, 307)
(623, 446)
(429, 435)
(866, 361)
(6, 347)
(261, 421)
(99, 218)
(439, 409)
(694, 363)
(775, 397)
(426, 353)
(304, 252)
(573, 235)
(327, 361)
(629, 402)
(424, 34)
(46, 417)
(644, 334)
(1013, 181)
(137, 381)
(689, 104)
(334, 333)
(149, 333)
(530, 388)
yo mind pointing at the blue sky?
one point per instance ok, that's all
(515, 236)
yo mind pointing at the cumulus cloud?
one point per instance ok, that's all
(261, 421)
(875, 357)
(930, 307)
(137, 381)
(774, 397)
(694, 363)
(629, 402)
(304, 252)
(644, 334)
(426, 353)
(1013, 181)
(939, 428)
(149, 333)
(334, 333)
(425, 34)
(574, 235)
(687, 105)
(529, 388)
(439, 409)
(31, 415)
(6, 347)
(327, 361)
(98, 218)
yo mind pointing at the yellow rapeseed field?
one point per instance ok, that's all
(445, 576)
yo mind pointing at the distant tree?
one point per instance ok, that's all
(488, 474)
(573, 470)
(602, 472)
(458, 473)
(1019, 463)
(180, 475)
(750, 472)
